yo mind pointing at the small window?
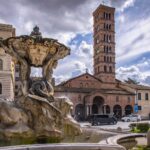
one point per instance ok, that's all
(1, 64)
(146, 96)
(87, 85)
(129, 99)
(81, 85)
(0, 88)
(79, 97)
(139, 96)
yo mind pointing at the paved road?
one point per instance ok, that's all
(123, 125)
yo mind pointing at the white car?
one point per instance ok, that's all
(132, 117)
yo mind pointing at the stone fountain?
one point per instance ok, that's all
(35, 114)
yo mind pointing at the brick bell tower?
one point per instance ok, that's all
(104, 43)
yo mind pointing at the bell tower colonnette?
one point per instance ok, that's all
(104, 43)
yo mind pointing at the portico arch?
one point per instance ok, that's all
(97, 105)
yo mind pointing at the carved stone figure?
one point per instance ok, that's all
(36, 113)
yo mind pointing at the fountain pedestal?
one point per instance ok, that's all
(36, 114)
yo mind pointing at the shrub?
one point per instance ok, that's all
(139, 127)
(143, 127)
(132, 126)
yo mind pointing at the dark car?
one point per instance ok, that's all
(102, 119)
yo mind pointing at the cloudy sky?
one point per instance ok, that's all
(70, 21)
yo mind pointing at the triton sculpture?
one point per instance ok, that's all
(36, 113)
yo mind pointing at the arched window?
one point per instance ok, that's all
(109, 39)
(110, 48)
(87, 85)
(98, 70)
(81, 85)
(110, 59)
(104, 38)
(104, 58)
(104, 48)
(104, 26)
(110, 69)
(109, 16)
(110, 27)
(107, 49)
(107, 59)
(104, 15)
(1, 64)
(0, 88)
(107, 26)
(105, 69)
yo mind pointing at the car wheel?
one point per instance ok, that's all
(93, 124)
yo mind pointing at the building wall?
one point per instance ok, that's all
(7, 72)
(144, 103)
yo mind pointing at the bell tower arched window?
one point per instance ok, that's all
(1, 64)
(0, 88)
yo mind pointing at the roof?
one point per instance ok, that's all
(65, 82)
(138, 86)
(101, 6)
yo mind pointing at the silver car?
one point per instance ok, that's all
(131, 117)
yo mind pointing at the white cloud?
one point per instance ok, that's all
(139, 72)
(76, 63)
(127, 3)
(121, 5)
(133, 39)
(85, 49)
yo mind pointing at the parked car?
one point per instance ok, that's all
(132, 117)
(102, 119)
